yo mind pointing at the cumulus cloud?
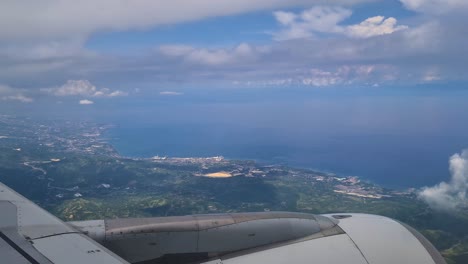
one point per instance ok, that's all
(212, 57)
(321, 78)
(318, 38)
(285, 18)
(85, 102)
(10, 94)
(48, 39)
(408, 56)
(82, 88)
(343, 75)
(375, 26)
(453, 194)
(317, 77)
(170, 93)
(325, 19)
(304, 24)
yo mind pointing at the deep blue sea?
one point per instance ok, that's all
(393, 160)
(394, 138)
(397, 138)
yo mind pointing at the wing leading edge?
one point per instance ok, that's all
(29, 234)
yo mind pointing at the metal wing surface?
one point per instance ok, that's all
(367, 239)
(29, 234)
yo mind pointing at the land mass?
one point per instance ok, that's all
(72, 171)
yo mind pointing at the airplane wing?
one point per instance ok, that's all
(266, 237)
(366, 239)
(30, 235)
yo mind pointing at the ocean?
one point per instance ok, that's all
(389, 160)
(399, 139)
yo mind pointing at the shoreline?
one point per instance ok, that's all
(107, 137)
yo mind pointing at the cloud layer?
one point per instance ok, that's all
(374, 26)
(317, 46)
(453, 194)
(10, 94)
(325, 19)
(82, 88)
(62, 18)
(305, 24)
(171, 93)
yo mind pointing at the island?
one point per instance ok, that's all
(70, 169)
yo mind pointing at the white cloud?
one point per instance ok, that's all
(374, 26)
(324, 19)
(322, 40)
(117, 93)
(82, 88)
(453, 194)
(316, 77)
(435, 6)
(85, 102)
(321, 78)
(47, 39)
(426, 38)
(431, 75)
(106, 92)
(344, 75)
(4, 89)
(285, 18)
(74, 87)
(170, 93)
(406, 57)
(212, 57)
(10, 94)
(57, 18)
(18, 97)
(304, 24)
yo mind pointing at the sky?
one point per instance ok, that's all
(90, 51)
(362, 68)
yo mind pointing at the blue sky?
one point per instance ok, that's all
(252, 27)
(212, 32)
(384, 77)
(90, 51)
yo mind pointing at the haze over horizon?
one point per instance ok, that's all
(363, 86)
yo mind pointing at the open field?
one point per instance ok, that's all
(221, 174)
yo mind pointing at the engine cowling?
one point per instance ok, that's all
(267, 237)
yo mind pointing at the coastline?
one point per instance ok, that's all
(112, 141)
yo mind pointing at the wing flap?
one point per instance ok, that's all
(78, 248)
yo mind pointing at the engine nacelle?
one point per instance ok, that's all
(267, 237)
(203, 236)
